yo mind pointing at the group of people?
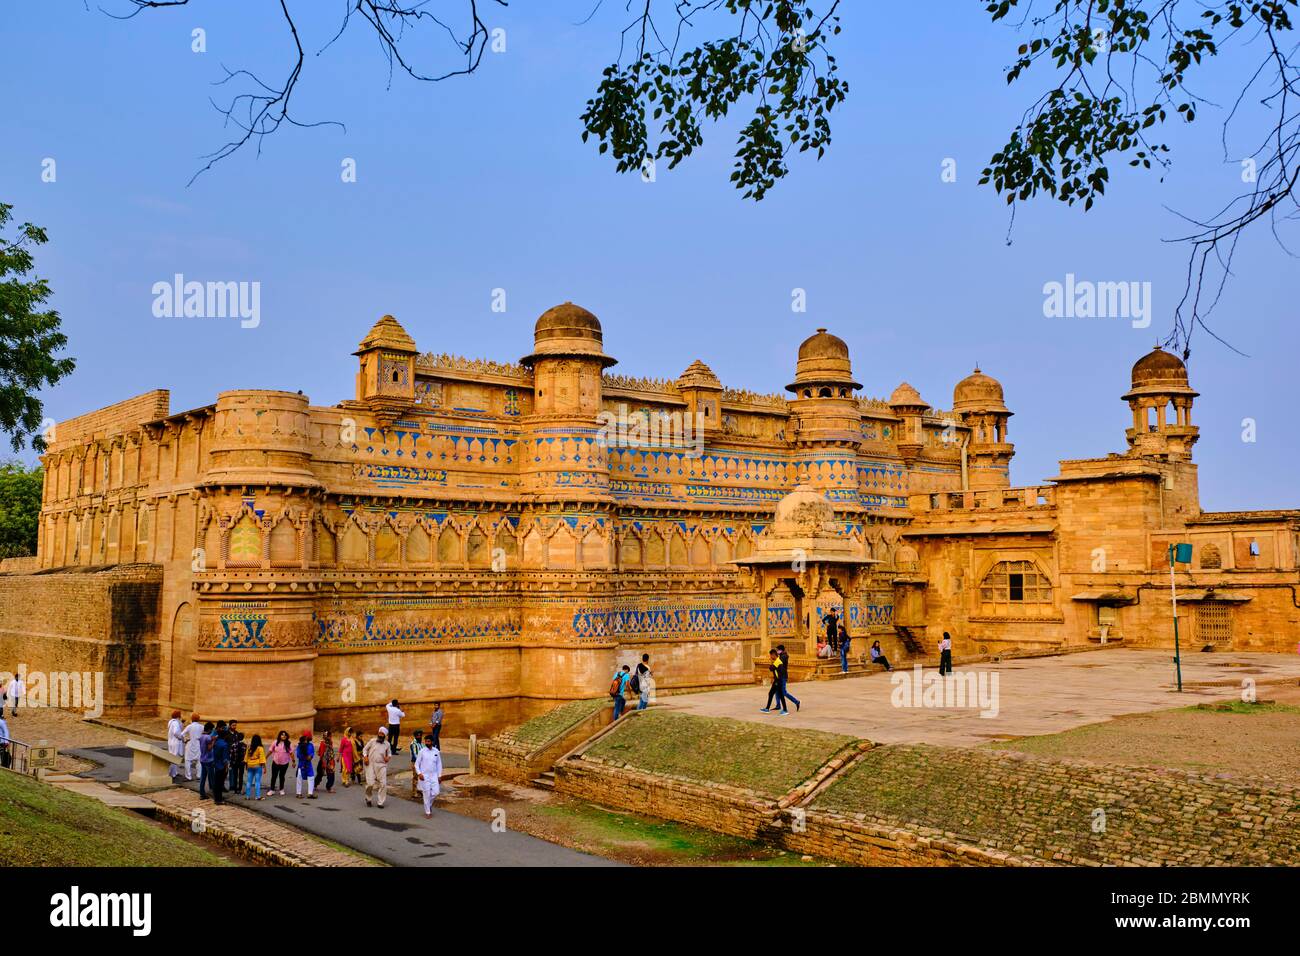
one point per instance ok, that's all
(639, 682)
(838, 640)
(226, 762)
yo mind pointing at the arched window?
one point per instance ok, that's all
(1013, 584)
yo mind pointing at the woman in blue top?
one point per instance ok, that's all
(305, 752)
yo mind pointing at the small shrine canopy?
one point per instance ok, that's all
(805, 549)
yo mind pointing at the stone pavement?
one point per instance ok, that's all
(398, 834)
(1035, 696)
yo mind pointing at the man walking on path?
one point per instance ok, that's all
(395, 715)
(220, 762)
(376, 756)
(945, 654)
(193, 737)
(785, 677)
(15, 690)
(845, 639)
(435, 726)
(417, 745)
(428, 771)
(777, 689)
(617, 688)
(641, 682)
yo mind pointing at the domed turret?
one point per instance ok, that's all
(905, 397)
(568, 331)
(386, 373)
(823, 369)
(978, 392)
(1160, 397)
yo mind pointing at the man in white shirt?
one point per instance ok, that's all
(428, 770)
(15, 691)
(193, 731)
(395, 715)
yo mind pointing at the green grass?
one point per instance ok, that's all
(1241, 707)
(767, 760)
(43, 825)
(617, 833)
(553, 724)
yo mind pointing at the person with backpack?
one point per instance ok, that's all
(281, 756)
(617, 688)
(641, 682)
(304, 754)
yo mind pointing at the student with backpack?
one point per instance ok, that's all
(617, 687)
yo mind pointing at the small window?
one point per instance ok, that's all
(1254, 549)
(396, 376)
(824, 393)
(1016, 587)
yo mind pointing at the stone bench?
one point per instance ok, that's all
(150, 765)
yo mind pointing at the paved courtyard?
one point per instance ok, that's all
(1035, 696)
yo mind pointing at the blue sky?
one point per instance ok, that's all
(483, 183)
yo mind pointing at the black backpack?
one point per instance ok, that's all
(635, 683)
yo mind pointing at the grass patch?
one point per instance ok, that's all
(768, 760)
(553, 724)
(43, 825)
(1241, 707)
(619, 835)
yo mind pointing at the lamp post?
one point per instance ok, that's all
(1182, 554)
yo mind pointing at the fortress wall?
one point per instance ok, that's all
(112, 419)
(101, 622)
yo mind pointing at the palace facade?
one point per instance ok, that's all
(499, 536)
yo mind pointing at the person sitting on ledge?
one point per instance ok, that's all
(823, 649)
(878, 656)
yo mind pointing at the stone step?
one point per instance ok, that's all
(545, 781)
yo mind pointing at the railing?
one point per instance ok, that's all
(14, 755)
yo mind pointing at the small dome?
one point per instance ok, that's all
(978, 392)
(905, 396)
(698, 375)
(823, 360)
(387, 333)
(1160, 372)
(567, 330)
(568, 319)
(803, 513)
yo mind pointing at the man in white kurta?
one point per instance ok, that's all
(191, 736)
(376, 756)
(175, 743)
(428, 770)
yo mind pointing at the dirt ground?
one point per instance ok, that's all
(1258, 744)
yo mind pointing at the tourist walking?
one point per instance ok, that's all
(281, 756)
(375, 756)
(358, 745)
(238, 750)
(785, 676)
(427, 773)
(220, 750)
(775, 691)
(326, 762)
(205, 759)
(642, 681)
(192, 737)
(395, 715)
(832, 622)
(175, 744)
(417, 745)
(878, 656)
(617, 688)
(945, 654)
(435, 725)
(255, 764)
(303, 756)
(347, 756)
(15, 691)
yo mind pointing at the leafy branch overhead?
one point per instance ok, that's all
(774, 54)
(30, 337)
(1121, 70)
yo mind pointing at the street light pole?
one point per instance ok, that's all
(1173, 595)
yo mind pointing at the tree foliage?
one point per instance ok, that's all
(30, 336)
(20, 508)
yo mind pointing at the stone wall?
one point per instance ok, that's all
(102, 621)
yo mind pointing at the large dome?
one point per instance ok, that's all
(1160, 373)
(823, 360)
(978, 392)
(567, 330)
